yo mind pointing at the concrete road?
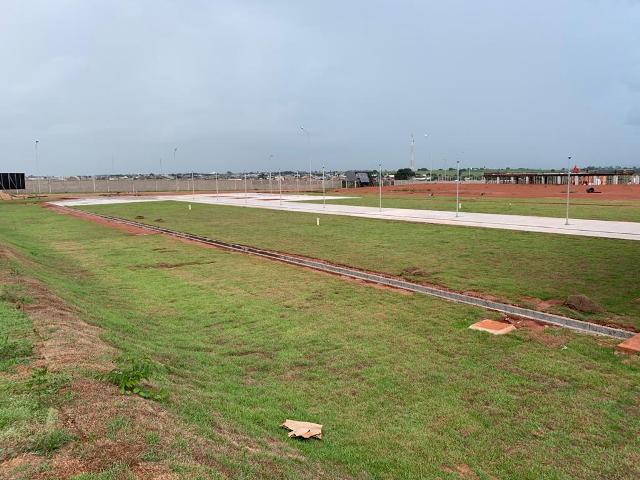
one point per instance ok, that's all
(589, 228)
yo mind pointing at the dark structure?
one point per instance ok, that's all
(580, 177)
(12, 181)
(358, 178)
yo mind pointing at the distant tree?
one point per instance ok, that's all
(404, 174)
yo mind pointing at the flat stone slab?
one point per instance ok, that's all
(630, 345)
(493, 327)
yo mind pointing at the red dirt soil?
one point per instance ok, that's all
(608, 192)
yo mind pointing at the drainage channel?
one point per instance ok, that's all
(548, 318)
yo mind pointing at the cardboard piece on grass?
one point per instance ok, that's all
(493, 327)
(630, 345)
(303, 429)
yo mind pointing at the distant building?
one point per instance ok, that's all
(578, 177)
(358, 178)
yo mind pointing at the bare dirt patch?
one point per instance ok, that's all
(168, 266)
(609, 192)
(582, 303)
(101, 221)
(539, 304)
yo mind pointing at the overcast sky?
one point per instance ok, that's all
(493, 82)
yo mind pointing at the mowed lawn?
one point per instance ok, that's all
(403, 388)
(595, 209)
(517, 267)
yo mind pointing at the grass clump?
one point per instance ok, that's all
(48, 442)
(16, 342)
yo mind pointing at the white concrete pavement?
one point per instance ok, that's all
(288, 202)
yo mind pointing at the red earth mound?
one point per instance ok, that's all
(607, 192)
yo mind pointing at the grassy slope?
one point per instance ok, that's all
(27, 404)
(404, 389)
(598, 209)
(507, 264)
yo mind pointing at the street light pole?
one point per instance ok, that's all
(270, 163)
(566, 222)
(324, 199)
(38, 165)
(174, 166)
(308, 151)
(426, 135)
(458, 188)
(380, 185)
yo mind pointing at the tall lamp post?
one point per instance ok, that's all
(270, 163)
(566, 222)
(37, 165)
(380, 186)
(324, 198)
(308, 151)
(458, 189)
(174, 166)
(426, 136)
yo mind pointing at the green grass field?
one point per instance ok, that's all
(403, 388)
(507, 264)
(597, 209)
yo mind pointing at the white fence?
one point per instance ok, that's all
(175, 185)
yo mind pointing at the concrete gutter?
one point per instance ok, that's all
(547, 318)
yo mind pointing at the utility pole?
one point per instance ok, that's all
(38, 165)
(308, 151)
(412, 164)
(324, 199)
(380, 185)
(458, 188)
(568, 188)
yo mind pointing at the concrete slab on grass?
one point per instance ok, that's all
(493, 327)
(630, 345)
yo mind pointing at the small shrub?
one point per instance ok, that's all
(128, 374)
(15, 294)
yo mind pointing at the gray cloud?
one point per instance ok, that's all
(507, 82)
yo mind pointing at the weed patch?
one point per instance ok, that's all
(129, 374)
